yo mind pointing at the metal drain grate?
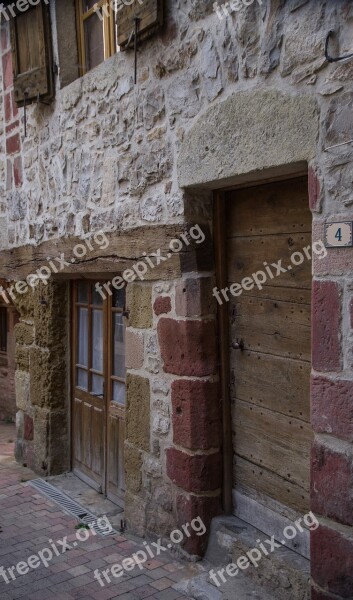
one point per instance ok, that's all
(70, 506)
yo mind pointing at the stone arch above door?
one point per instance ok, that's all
(252, 131)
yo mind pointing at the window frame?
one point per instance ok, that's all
(108, 311)
(35, 83)
(116, 310)
(108, 25)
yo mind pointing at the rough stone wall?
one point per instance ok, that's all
(106, 152)
(42, 379)
(7, 372)
(173, 410)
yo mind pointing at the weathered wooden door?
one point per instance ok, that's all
(98, 411)
(270, 348)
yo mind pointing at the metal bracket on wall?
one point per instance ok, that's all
(134, 35)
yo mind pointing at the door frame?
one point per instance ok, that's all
(221, 267)
(107, 370)
(221, 272)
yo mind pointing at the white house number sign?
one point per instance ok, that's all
(339, 235)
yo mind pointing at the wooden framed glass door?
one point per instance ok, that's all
(98, 374)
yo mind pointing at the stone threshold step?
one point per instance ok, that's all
(281, 574)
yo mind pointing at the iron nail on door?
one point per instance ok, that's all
(238, 345)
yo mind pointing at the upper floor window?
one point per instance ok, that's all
(96, 32)
(3, 329)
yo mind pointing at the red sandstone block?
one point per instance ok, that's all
(14, 105)
(162, 305)
(11, 127)
(7, 69)
(196, 507)
(13, 144)
(332, 407)
(28, 428)
(194, 473)
(193, 297)
(188, 347)
(7, 107)
(17, 171)
(326, 347)
(314, 189)
(332, 483)
(332, 560)
(196, 414)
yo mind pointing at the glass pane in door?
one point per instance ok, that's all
(97, 385)
(82, 337)
(119, 393)
(119, 345)
(82, 379)
(97, 340)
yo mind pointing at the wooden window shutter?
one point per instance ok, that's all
(32, 55)
(150, 14)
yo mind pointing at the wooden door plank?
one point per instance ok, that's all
(283, 294)
(276, 383)
(250, 477)
(116, 464)
(274, 208)
(274, 442)
(97, 442)
(113, 451)
(272, 327)
(86, 424)
(121, 461)
(247, 255)
(77, 431)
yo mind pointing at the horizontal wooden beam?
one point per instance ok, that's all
(112, 252)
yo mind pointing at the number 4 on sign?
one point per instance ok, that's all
(338, 235)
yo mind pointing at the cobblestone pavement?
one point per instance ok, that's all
(29, 522)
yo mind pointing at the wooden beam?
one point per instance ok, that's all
(123, 250)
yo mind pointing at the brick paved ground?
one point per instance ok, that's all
(29, 520)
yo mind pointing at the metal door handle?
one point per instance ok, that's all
(238, 345)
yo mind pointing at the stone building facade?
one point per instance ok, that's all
(221, 101)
